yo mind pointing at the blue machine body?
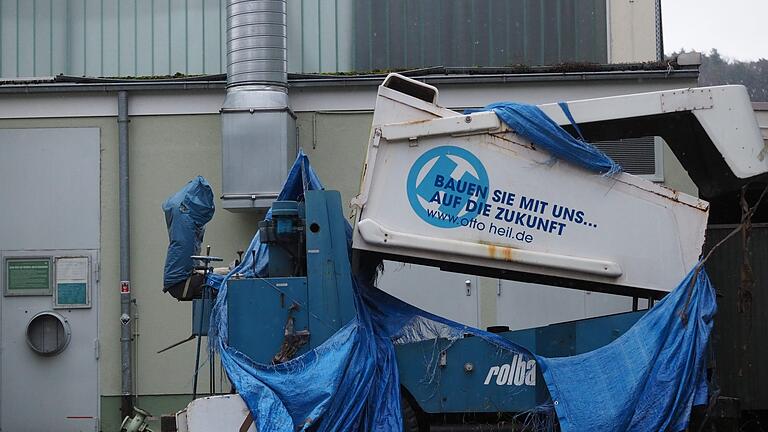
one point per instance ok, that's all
(469, 375)
(319, 299)
(267, 304)
(309, 305)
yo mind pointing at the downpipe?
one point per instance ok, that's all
(126, 380)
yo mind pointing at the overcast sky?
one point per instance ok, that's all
(737, 28)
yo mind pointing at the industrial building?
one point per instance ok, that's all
(74, 74)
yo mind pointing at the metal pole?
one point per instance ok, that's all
(659, 33)
(197, 352)
(205, 296)
(126, 406)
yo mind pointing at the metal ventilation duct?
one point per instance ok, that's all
(258, 126)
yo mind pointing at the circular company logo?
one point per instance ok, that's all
(446, 185)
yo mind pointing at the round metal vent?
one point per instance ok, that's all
(48, 333)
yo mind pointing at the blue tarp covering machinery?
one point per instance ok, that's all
(311, 346)
(186, 213)
(333, 351)
(310, 343)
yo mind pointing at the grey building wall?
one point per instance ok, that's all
(414, 34)
(675, 176)
(154, 37)
(336, 144)
(110, 38)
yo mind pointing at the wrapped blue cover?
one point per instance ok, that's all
(646, 380)
(186, 213)
(532, 123)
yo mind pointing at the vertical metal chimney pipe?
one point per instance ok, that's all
(126, 406)
(257, 43)
(258, 126)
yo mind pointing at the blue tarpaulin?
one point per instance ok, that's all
(532, 123)
(349, 383)
(186, 213)
(646, 380)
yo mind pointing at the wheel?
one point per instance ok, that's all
(411, 421)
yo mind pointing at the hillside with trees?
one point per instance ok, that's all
(718, 70)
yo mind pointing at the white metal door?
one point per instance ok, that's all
(450, 295)
(521, 305)
(49, 190)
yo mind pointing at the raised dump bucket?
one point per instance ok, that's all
(467, 194)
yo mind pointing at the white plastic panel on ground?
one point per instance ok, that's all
(214, 414)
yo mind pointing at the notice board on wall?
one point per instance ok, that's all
(72, 287)
(27, 276)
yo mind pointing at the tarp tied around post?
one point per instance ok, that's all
(532, 123)
(186, 213)
(646, 380)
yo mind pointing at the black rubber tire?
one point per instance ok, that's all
(410, 417)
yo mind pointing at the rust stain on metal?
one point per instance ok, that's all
(507, 253)
(673, 196)
(499, 252)
(502, 136)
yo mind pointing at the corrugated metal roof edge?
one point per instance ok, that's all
(63, 83)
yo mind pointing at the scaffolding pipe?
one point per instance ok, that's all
(126, 406)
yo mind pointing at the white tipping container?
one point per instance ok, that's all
(467, 194)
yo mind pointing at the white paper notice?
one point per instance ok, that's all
(72, 269)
